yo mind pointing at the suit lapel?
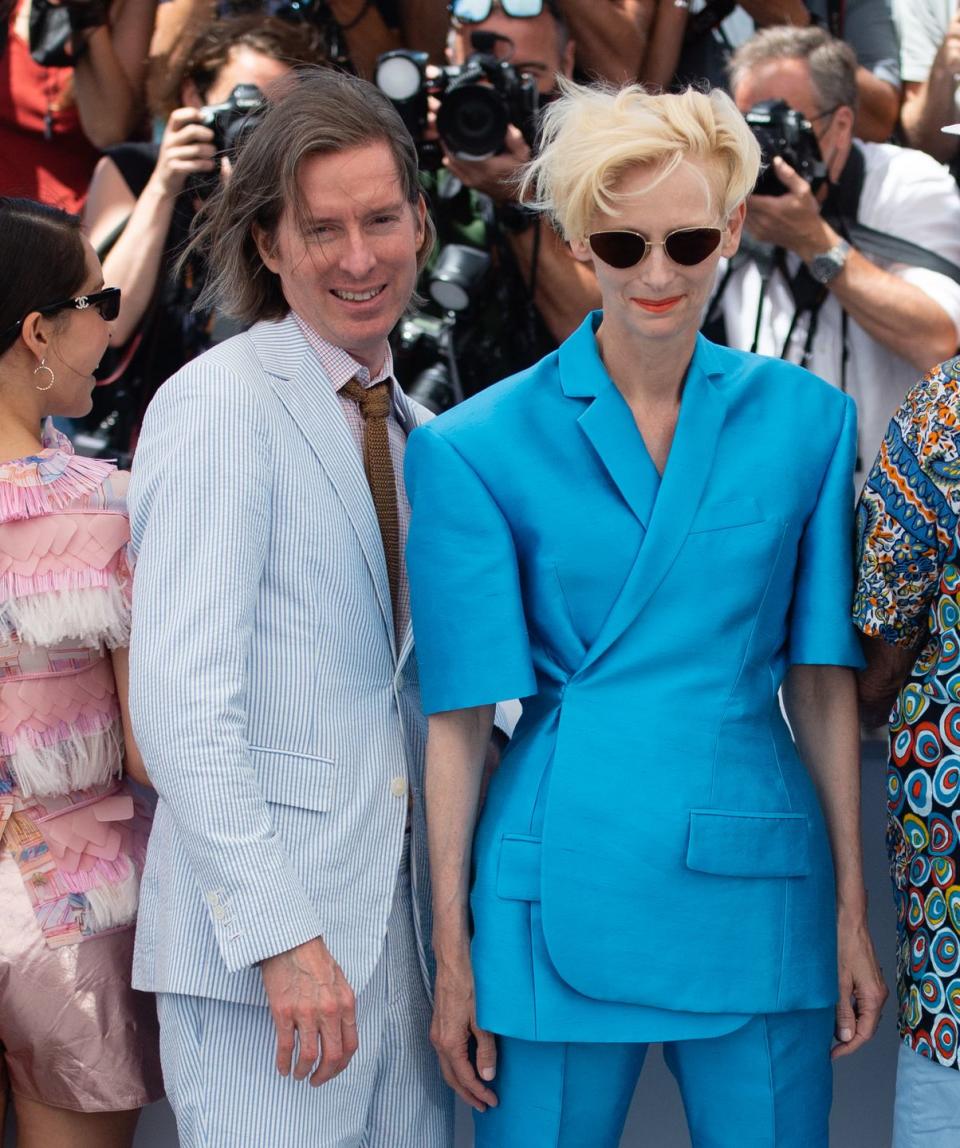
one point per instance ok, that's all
(702, 411)
(298, 381)
(607, 421)
(410, 415)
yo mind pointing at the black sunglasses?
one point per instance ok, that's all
(688, 246)
(107, 302)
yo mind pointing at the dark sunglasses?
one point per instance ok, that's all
(475, 11)
(107, 302)
(688, 246)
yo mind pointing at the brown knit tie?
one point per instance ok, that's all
(375, 404)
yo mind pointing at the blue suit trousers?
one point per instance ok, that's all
(768, 1084)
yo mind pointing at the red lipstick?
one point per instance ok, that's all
(658, 306)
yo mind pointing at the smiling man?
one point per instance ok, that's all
(275, 691)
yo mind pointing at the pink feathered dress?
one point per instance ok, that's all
(72, 834)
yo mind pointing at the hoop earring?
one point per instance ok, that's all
(42, 366)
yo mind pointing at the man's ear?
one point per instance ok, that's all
(420, 212)
(264, 241)
(841, 133)
(844, 118)
(566, 60)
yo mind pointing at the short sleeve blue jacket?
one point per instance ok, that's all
(651, 839)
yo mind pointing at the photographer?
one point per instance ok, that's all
(533, 278)
(71, 80)
(694, 41)
(866, 322)
(143, 199)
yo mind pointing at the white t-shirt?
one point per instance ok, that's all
(922, 26)
(905, 193)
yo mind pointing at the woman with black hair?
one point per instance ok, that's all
(79, 1047)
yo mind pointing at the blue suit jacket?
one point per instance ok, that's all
(652, 811)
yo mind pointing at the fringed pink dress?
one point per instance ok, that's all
(72, 834)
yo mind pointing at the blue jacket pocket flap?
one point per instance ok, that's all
(518, 874)
(724, 515)
(297, 779)
(739, 844)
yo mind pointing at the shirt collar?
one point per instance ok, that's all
(340, 366)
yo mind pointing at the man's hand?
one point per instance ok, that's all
(497, 175)
(310, 998)
(454, 1026)
(792, 220)
(862, 989)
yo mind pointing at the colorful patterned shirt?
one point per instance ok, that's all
(907, 595)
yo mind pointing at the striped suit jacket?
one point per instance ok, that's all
(278, 720)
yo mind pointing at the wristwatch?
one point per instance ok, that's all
(826, 267)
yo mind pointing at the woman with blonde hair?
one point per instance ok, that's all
(644, 536)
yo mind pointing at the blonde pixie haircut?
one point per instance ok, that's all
(592, 135)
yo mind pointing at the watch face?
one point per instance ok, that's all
(829, 265)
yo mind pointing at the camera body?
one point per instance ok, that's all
(478, 101)
(230, 120)
(782, 131)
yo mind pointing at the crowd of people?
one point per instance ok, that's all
(680, 280)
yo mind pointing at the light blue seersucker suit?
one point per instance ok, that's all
(278, 720)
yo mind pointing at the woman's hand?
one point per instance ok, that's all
(186, 149)
(454, 1024)
(862, 988)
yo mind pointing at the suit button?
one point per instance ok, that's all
(398, 786)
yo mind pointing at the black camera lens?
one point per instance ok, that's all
(433, 388)
(782, 131)
(473, 121)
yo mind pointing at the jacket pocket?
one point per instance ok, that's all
(297, 779)
(739, 844)
(518, 871)
(724, 515)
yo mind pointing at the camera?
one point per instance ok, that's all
(429, 345)
(230, 122)
(232, 119)
(782, 131)
(478, 101)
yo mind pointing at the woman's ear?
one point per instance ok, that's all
(35, 334)
(733, 230)
(580, 249)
